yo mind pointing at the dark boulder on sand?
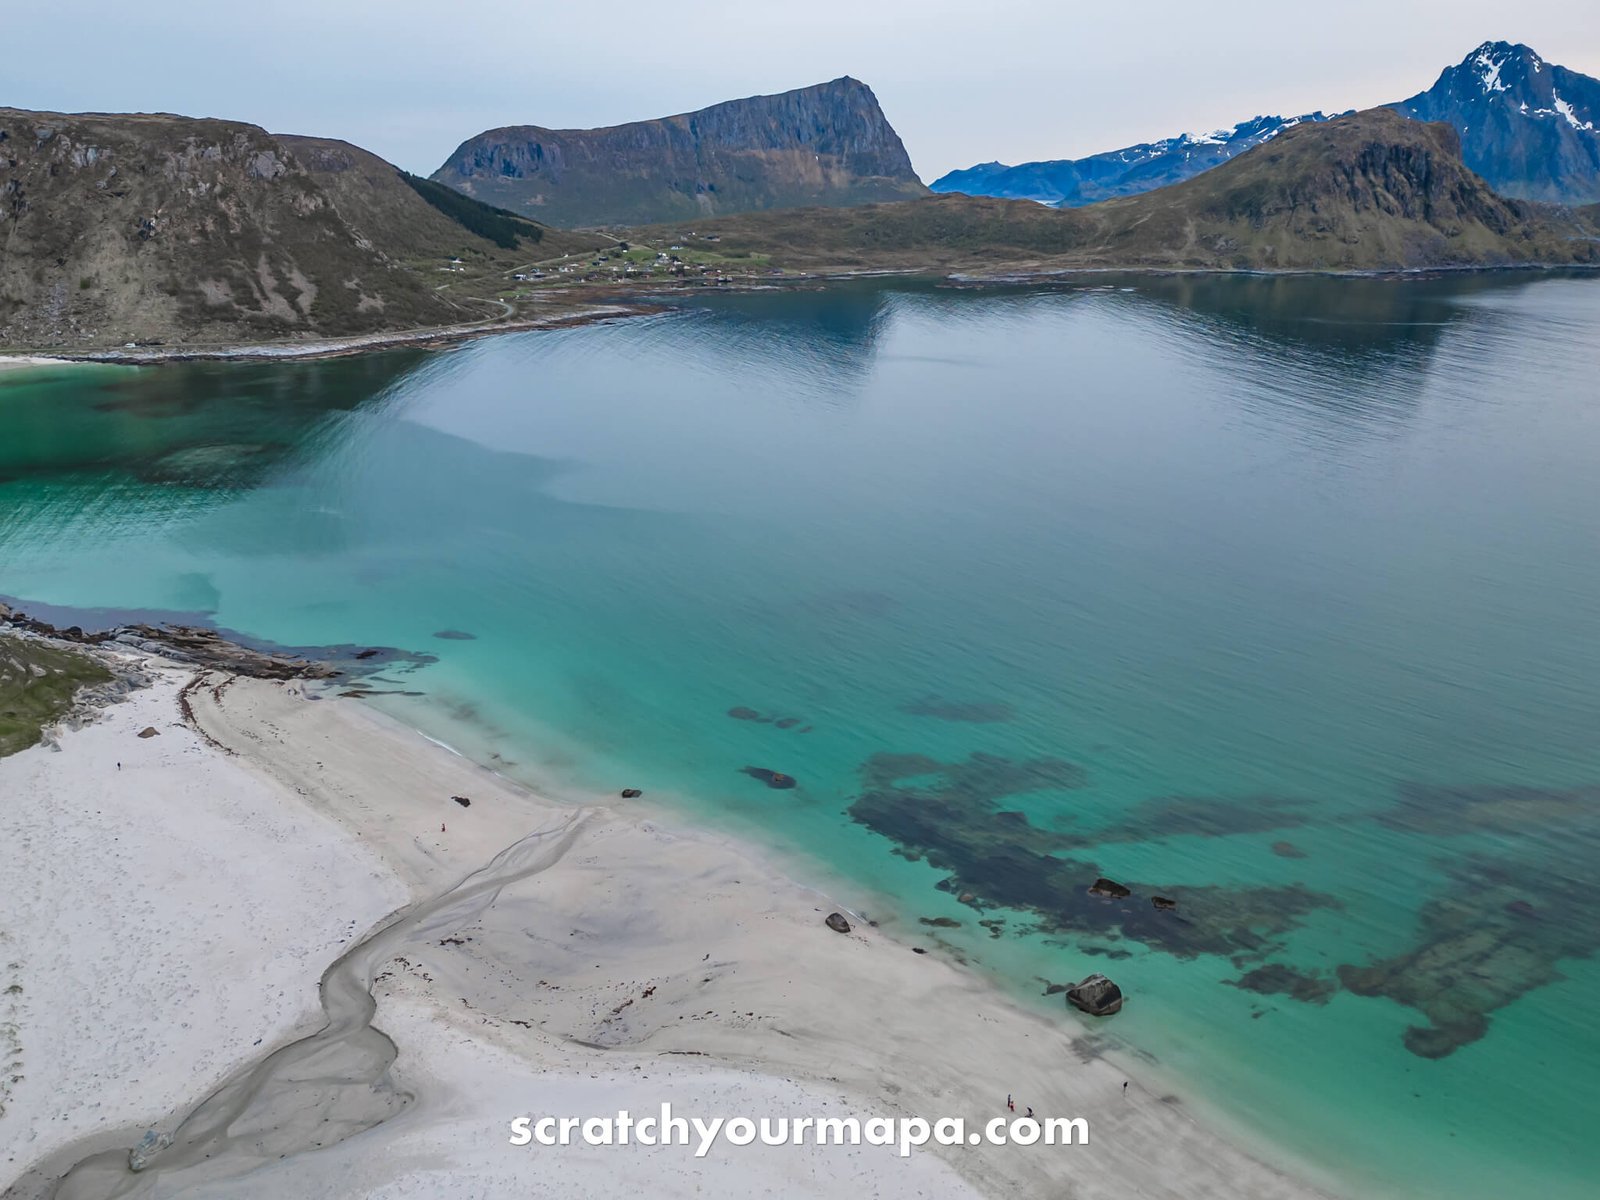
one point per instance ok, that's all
(837, 923)
(149, 731)
(462, 800)
(1096, 995)
(1110, 888)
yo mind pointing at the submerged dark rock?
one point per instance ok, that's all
(773, 779)
(1109, 888)
(1287, 850)
(744, 713)
(1478, 947)
(631, 793)
(1279, 979)
(947, 814)
(1096, 995)
(837, 923)
(455, 635)
(972, 711)
(1164, 903)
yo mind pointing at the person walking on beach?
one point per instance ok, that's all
(1010, 1103)
(1124, 1087)
(1030, 1112)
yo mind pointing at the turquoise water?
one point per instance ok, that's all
(1142, 579)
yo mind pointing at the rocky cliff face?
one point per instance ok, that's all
(166, 228)
(1070, 182)
(1529, 127)
(823, 145)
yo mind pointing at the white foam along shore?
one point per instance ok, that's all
(167, 922)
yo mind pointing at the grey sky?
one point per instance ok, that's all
(963, 82)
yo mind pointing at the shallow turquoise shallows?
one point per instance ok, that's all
(1276, 597)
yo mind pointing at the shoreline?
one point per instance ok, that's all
(632, 301)
(742, 976)
(427, 338)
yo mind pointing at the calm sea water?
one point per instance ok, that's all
(1280, 598)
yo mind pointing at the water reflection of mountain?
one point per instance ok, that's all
(1343, 358)
(821, 340)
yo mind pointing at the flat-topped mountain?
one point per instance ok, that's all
(158, 227)
(824, 145)
(1529, 127)
(1070, 182)
(1371, 191)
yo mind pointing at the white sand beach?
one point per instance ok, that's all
(168, 923)
(20, 361)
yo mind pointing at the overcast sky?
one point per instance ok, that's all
(962, 81)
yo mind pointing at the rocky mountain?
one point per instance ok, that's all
(1069, 182)
(823, 145)
(408, 216)
(1529, 127)
(1370, 191)
(148, 227)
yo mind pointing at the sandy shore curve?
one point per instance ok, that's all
(172, 919)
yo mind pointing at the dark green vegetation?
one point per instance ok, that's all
(829, 145)
(504, 229)
(37, 684)
(421, 221)
(1373, 191)
(165, 229)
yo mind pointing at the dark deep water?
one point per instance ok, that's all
(1278, 597)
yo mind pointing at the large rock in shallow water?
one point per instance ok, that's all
(1096, 995)
(1110, 888)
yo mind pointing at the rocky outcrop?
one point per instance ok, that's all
(1109, 888)
(143, 228)
(167, 230)
(1529, 127)
(824, 145)
(1096, 995)
(837, 923)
